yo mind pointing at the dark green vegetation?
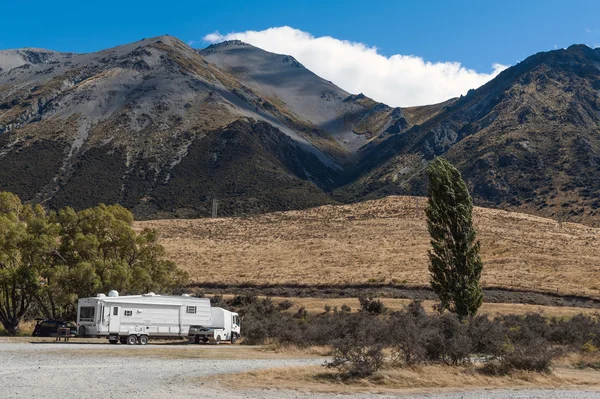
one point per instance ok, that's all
(455, 264)
(163, 129)
(49, 260)
(251, 167)
(359, 339)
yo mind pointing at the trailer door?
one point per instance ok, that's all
(114, 324)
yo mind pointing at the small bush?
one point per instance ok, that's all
(535, 355)
(345, 309)
(487, 337)
(359, 352)
(284, 305)
(406, 334)
(370, 305)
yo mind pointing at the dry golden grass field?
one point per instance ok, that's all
(383, 241)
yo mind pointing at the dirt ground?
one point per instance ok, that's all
(99, 370)
(380, 241)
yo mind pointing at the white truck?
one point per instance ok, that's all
(133, 319)
(225, 326)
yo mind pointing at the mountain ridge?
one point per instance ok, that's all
(130, 116)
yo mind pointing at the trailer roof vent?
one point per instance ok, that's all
(100, 295)
(113, 294)
(185, 295)
(150, 294)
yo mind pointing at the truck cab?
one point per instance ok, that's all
(225, 326)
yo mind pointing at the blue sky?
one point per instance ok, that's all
(476, 34)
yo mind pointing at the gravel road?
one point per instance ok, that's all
(58, 370)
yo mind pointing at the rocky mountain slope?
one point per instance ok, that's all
(163, 129)
(156, 126)
(527, 140)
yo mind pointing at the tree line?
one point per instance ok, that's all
(49, 259)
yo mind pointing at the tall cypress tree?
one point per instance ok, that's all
(455, 265)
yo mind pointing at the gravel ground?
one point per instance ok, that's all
(55, 370)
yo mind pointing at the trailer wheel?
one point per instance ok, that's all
(132, 340)
(123, 340)
(113, 341)
(233, 338)
(143, 340)
(81, 331)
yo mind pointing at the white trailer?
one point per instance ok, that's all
(135, 318)
(225, 326)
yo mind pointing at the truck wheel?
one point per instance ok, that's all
(132, 340)
(113, 341)
(143, 340)
(233, 338)
(218, 340)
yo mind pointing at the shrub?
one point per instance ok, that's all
(370, 305)
(285, 305)
(535, 355)
(359, 352)
(447, 340)
(576, 331)
(487, 337)
(406, 334)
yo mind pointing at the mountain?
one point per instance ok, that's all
(304, 99)
(10, 59)
(164, 129)
(527, 140)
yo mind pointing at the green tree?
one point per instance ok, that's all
(100, 251)
(455, 265)
(51, 260)
(25, 244)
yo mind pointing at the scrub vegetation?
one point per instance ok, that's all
(375, 337)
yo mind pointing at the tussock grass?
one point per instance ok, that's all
(380, 241)
(389, 379)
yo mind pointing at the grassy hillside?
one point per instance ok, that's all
(380, 241)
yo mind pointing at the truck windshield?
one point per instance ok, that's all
(86, 313)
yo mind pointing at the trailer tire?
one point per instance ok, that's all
(132, 340)
(123, 340)
(233, 338)
(143, 340)
(81, 331)
(112, 341)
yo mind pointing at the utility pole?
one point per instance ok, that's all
(417, 207)
(215, 206)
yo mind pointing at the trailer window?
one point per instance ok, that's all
(128, 313)
(86, 313)
(115, 311)
(191, 309)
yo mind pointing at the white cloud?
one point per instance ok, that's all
(398, 80)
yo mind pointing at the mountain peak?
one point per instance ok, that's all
(226, 45)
